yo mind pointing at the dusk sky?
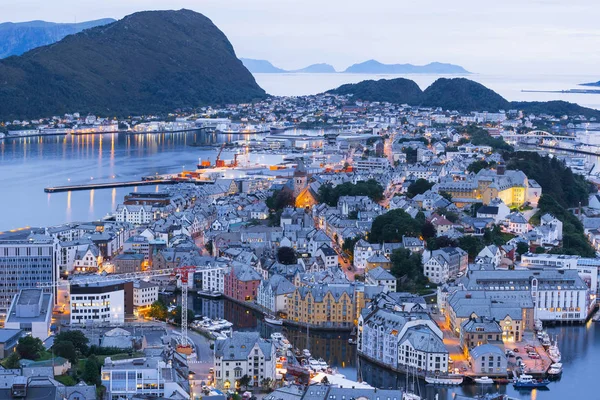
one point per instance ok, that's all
(508, 36)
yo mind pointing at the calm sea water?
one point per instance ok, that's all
(508, 86)
(579, 344)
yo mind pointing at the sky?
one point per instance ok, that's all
(490, 37)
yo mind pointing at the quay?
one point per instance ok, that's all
(111, 185)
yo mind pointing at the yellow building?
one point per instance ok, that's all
(323, 305)
(510, 186)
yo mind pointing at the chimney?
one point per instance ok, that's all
(501, 169)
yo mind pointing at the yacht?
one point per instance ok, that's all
(539, 325)
(527, 382)
(306, 353)
(484, 380)
(276, 336)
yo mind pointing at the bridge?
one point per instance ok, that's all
(537, 134)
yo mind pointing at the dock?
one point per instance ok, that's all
(111, 185)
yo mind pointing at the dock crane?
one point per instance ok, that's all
(182, 272)
(218, 161)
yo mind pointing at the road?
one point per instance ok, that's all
(205, 360)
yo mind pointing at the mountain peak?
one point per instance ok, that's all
(132, 66)
(376, 67)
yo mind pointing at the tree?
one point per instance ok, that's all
(266, 383)
(66, 350)
(446, 195)
(158, 310)
(428, 230)
(30, 348)
(209, 246)
(91, 371)
(176, 315)
(12, 361)
(408, 266)
(522, 248)
(391, 226)
(244, 381)
(419, 186)
(330, 195)
(281, 199)
(286, 255)
(76, 337)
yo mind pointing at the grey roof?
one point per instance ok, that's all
(245, 273)
(279, 285)
(8, 334)
(238, 346)
(380, 274)
(488, 325)
(318, 292)
(423, 339)
(485, 349)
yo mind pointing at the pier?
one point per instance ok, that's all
(111, 185)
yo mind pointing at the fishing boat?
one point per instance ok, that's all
(446, 380)
(484, 380)
(528, 382)
(554, 352)
(270, 319)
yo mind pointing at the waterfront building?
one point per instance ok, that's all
(273, 293)
(488, 359)
(101, 302)
(26, 259)
(148, 376)
(402, 340)
(31, 311)
(211, 277)
(134, 214)
(243, 354)
(323, 305)
(241, 283)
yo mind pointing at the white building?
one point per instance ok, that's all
(149, 376)
(328, 255)
(211, 277)
(31, 311)
(363, 250)
(371, 164)
(245, 353)
(381, 277)
(98, 302)
(134, 214)
(273, 293)
(402, 340)
(144, 294)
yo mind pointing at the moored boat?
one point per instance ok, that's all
(270, 319)
(449, 380)
(555, 370)
(528, 382)
(484, 380)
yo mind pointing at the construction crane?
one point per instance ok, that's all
(184, 275)
(218, 161)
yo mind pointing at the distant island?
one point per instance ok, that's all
(265, 67)
(375, 67)
(367, 67)
(458, 94)
(148, 62)
(20, 37)
(591, 84)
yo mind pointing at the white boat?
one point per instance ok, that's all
(538, 325)
(555, 370)
(554, 352)
(269, 319)
(450, 380)
(306, 353)
(484, 380)
(276, 336)
(410, 396)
